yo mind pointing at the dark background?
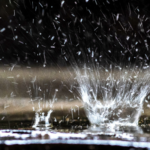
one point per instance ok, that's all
(50, 32)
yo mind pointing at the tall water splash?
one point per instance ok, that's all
(112, 96)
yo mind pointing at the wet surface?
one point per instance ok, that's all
(73, 133)
(51, 137)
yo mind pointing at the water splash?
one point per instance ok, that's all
(41, 120)
(112, 96)
(44, 109)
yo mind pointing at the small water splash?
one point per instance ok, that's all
(44, 108)
(42, 121)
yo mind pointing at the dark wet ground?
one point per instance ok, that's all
(70, 139)
(71, 134)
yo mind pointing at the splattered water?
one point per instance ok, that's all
(111, 98)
